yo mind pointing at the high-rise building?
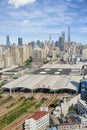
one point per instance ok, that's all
(39, 55)
(61, 43)
(7, 41)
(84, 90)
(32, 44)
(84, 54)
(63, 35)
(15, 53)
(61, 40)
(69, 37)
(38, 42)
(1, 52)
(23, 53)
(20, 41)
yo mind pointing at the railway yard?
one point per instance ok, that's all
(22, 97)
(15, 109)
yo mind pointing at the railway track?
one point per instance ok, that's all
(4, 109)
(18, 123)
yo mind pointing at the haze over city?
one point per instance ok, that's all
(36, 19)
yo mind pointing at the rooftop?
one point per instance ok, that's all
(39, 115)
(50, 76)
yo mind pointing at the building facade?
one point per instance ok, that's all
(84, 90)
(20, 41)
(82, 107)
(39, 55)
(7, 41)
(39, 121)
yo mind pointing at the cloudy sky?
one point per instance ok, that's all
(36, 19)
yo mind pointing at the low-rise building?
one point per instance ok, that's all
(83, 121)
(38, 121)
(68, 122)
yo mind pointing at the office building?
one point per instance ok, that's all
(63, 35)
(61, 43)
(7, 41)
(20, 41)
(61, 40)
(38, 42)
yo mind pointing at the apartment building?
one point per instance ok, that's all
(39, 55)
(38, 121)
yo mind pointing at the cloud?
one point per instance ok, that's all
(83, 29)
(18, 3)
(25, 22)
(68, 0)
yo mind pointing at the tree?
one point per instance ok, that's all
(28, 61)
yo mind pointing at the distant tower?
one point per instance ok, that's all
(69, 41)
(50, 38)
(7, 41)
(20, 41)
(63, 35)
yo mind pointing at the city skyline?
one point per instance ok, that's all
(37, 19)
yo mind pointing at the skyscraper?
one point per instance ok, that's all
(50, 41)
(50, 38)
(20, 42)
(69, 40)
(7, 41)
(63, 35)
(61, 43)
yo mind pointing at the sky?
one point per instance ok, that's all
(37, 19)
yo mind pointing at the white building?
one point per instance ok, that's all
(64, 107)
(1, 63)
(43, 108)
(83, 122)
(84, 53)
(39, 121)
(82, 107)
(8, 62)
(1, 52)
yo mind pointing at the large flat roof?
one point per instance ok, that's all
(50, 76)
(53, 82)
(69, 66)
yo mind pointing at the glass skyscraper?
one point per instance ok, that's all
(7, 41)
